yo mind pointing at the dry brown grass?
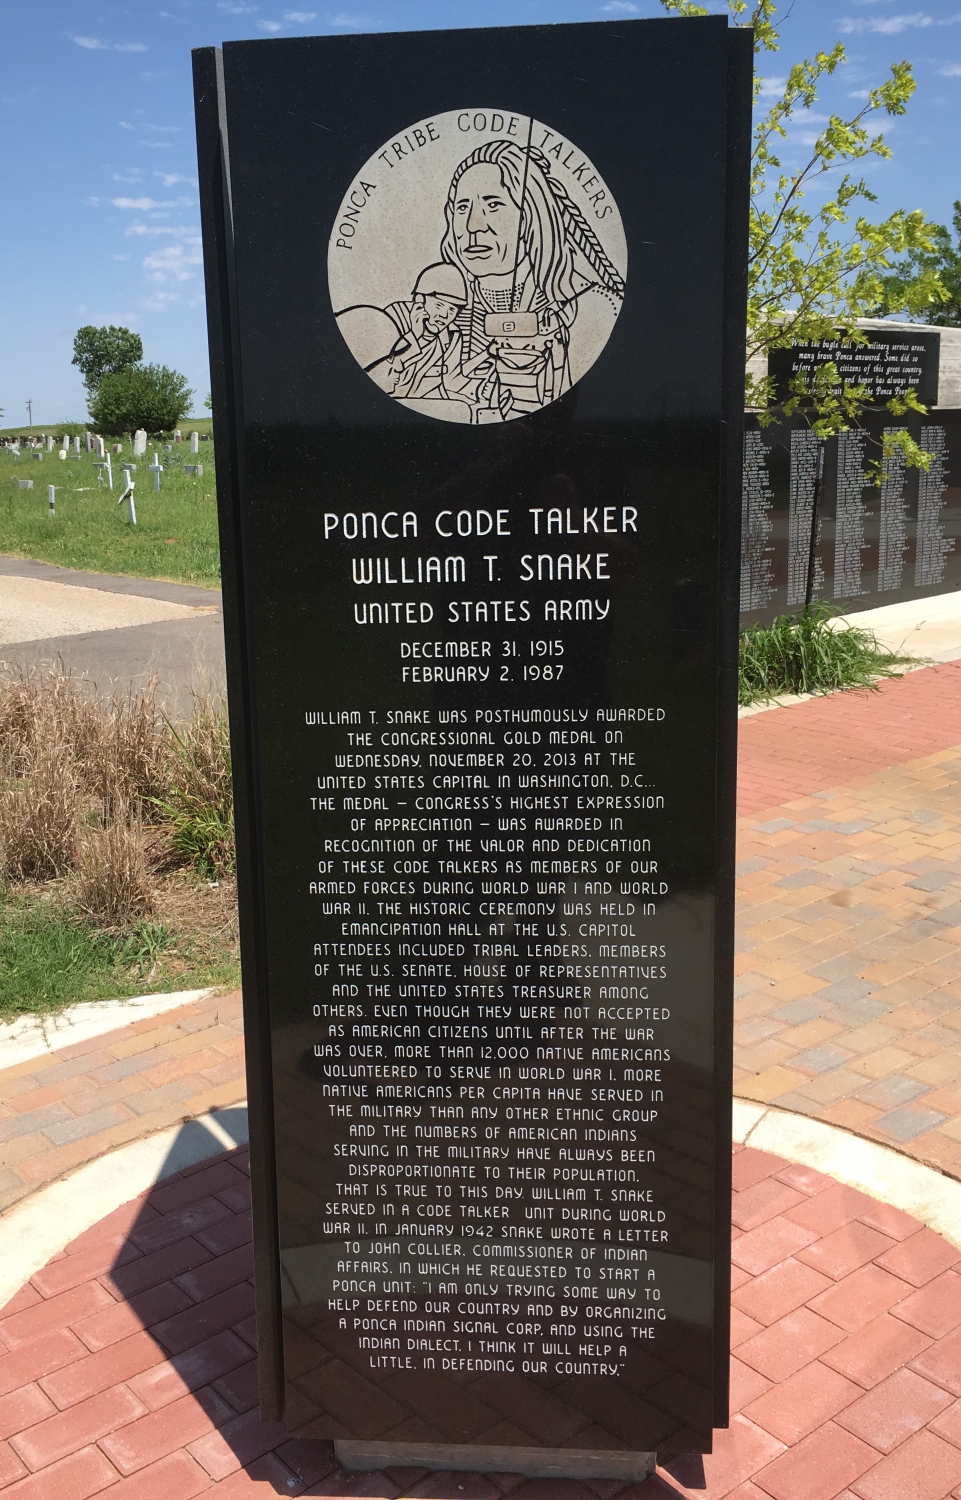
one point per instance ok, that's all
(81, 777)
(112, 883)
(39, 811)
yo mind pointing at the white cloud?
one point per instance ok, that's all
(96, 44)
(893, 25)
(270, 26)
(300, 16)
(620, 8)
(145, 203)
(134, 176)
(860, 94)
(121, 257)
(173, 262)
(142, 229)
(125, 125)
(774, 86)
(950, 70)
(170, 178)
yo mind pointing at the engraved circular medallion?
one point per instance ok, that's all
(477, 266)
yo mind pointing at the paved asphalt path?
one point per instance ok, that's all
(182, 655)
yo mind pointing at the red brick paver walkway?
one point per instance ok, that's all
(848, 989)
(127, 1365)
(807, 747)
(72, 1105)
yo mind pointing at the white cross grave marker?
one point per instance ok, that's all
(128, 496)
(156, 469)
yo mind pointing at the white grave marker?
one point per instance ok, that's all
(156, 469)
(195, 442)
(139, 443)
(128, 496)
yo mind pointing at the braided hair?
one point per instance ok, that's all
(552, 227)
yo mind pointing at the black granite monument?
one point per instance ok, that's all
(476, 311)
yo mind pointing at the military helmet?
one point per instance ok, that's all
(442, 280)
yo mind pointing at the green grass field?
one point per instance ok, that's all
(176, 532)
(48, 961)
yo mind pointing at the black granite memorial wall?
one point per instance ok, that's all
(477, 385)
(815, 522)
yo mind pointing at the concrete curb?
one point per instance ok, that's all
(36, 1036)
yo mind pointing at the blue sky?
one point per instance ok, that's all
(99, 173)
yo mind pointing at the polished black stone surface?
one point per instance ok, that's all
(484, 812)
(881, 534)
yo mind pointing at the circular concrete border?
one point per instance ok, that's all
(39, 1227)
(926, 1194)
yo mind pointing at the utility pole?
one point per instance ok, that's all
(29, 413)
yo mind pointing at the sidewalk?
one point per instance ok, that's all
(849, 944)
(77, 1102)
(127, 1365)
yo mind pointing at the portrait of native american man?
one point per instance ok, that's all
(519, 299)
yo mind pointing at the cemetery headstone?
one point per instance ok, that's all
(52, 499)
(129, 497)
(38, 457)
(48, 444)
(479, 492)
(88, 438)
(25, 484)
(76, 445)
(139, 443)
(195, 442)
(63, 453)
(156, 469)
(178, 436)
(101, 446)
(194, 469)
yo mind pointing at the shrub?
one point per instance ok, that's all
(806, 653)
(147, 396)
(199, 804)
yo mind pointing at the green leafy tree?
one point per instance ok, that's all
(813, 272)
(104, 351)
(147, 396)
(942, 261)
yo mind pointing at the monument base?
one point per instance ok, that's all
(534, 1463)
